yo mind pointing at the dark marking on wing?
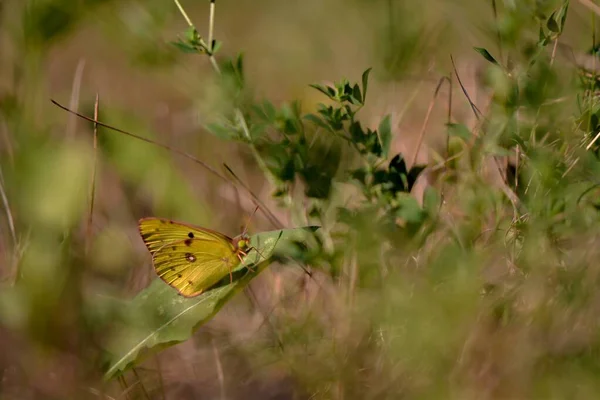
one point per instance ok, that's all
(191, 235)
(188, 242)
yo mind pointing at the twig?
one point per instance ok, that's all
(495, 10)
(473, 106)
(137, 376)
(426, 121)
(70, 131)
(88, 236)
(164, 146)
(185, 16)
(270, 216)
(211, 26)
(220, 374)
(9, 217)
(591, 6)
(253, 300)
(160, 377)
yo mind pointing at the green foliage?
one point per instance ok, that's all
(484, 286)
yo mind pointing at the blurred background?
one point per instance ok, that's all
(424, 330)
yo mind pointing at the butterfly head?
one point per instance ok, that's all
(242, 242)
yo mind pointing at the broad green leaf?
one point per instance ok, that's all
(384, 132)
(158, 317)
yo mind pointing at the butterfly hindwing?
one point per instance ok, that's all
(189, 258)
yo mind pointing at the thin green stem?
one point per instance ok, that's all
(211, 26)
(182, 11)
(238, 112)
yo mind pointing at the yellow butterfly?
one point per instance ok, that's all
(189, 258)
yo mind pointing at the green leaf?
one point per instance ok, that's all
(191, 34)
(552, 24)
(158, 317)
(356, 94)
(431, 201)
(459, 130)
(326, 90)
(365, 82)
(409, 210)
(222, 132)
(184, 47)
(384, 133)
(562, 14)
(216, 46)
(486, 54)
(317, 121)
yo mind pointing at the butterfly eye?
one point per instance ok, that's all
(242, 244)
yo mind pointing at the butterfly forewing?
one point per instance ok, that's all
(189, 258)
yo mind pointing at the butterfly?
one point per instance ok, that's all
(190, 258)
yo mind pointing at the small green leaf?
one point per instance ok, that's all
(384, 133)
(191, 34)
(459, 130)
(552, 24)
(562, 14)
(541, 36)
(158, 317)
(486, 54)
(365, 82)
(409, 209)
(221, 131)
(326, 90)
(356, 93)
(413, 175)
(216, 46)
(431, 201)
(184, 47)
(317, 121)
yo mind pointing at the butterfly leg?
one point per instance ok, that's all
(239, 254)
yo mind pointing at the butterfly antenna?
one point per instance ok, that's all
(248, 221)
(270, 216)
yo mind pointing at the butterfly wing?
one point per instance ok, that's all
(189, 258)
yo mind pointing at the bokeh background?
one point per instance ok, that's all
(298, 338)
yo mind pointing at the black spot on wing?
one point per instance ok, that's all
(191, 235)
(188, 242)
